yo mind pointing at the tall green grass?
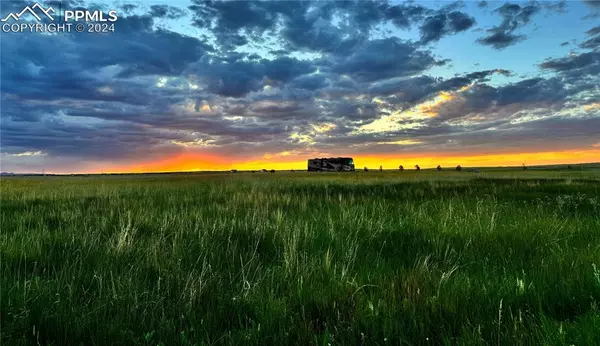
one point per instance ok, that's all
(378, 258)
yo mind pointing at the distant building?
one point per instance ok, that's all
(331, 164)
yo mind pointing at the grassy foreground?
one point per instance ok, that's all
(408, 258)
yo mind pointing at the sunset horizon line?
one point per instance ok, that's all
(300, 165)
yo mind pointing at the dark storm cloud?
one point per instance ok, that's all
(383, 59)
(54, 137)
(310, 25)
(310, 82)
(514, 16)
(316, 33)
(238, 78)
(575, 65)
(354, 110)
(500, 39)
(231, 16)
(143, 50)
(85, 130)
(231, 21)
(531, 91)
(411, 89)
(43, 88)
(405, 14)
(31, 67)
(55, 133)
(435, 27)
(482, 4)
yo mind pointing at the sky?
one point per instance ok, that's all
(194, 85)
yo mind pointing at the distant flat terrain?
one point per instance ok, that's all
(500, 256)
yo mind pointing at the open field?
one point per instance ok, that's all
(427, 258)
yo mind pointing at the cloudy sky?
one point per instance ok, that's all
(196, 85)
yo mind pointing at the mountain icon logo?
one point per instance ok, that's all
(31, 10)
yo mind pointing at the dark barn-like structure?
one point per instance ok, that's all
(331, 164)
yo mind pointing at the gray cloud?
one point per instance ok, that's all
(166, 11)
(575, 65)
(514, 16)
(594, 41)
(592, 3)
(594, 31)
(439, 25)
(385, 58)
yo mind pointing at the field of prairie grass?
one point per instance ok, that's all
(428, 258)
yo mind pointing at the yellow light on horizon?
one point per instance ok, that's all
(292, 160)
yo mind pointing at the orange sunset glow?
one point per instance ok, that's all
(201, 162)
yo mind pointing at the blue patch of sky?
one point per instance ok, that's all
(545, 33)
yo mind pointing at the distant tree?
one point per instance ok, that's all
(459, 168)
(381, 168)
(272, 171)
(417, 167)
(366, 169)
(401, 168)
(439, 168)
(569, 167)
